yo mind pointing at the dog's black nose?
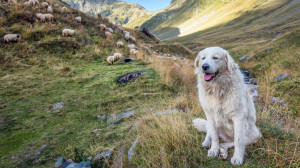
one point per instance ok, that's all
(205, 66)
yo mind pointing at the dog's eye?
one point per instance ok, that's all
(215, 58)
(203, 58)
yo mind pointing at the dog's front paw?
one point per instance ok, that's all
(237, 160)
(223, 153)
(206, 144)
(213, 152)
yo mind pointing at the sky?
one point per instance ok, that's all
(151, 5)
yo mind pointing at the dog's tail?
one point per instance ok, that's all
(200, 124)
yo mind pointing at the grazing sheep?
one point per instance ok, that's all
(133, 52)
(49, 17)
(45, 4)
(126, 35)
(12, 1)
(68, 32)
(55, 5)
(126, 32)
(102, 27)
(64, 9)
(26, 4)
(41, 17)
(110, 30)
(49, 9)
(110, 60)
(12, 38)
(131, 38)
(120, 44)
(33, 2)
(108, 34)
(78, 19)
(131, 46)
(117, 56)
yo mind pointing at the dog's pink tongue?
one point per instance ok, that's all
(207, 76)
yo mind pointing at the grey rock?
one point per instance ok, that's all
(101, 116)
(79, 165)
(95, 130)
(253, 81)
(127, 60)
(126, 114)
(267, 49)
(57, 106)
(281, 77)
(59, 162)
(250, 57)
(97, 135)
(175, 110)
(273, 39)
(43, 146)
(66, 163)
(118, 163)
(104, 155)
(131, 149)
(36, 154)
(242, 58)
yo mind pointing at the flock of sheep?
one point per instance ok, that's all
(48, 17)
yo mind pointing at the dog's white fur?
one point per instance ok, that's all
(227, 104)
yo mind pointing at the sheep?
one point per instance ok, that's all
(36, 2)
(117, 56)
(102, 27)
(26, 4)
(55, 5)
(108, 34)
(41, 17)
(133, 51)
(49, 9)
(78, 19)
(49, 17)
(12, 1)
(131, 46)
(120, 44)
(68, 32)
(12, 38)
(33, 2)
(131, 38)
(110, 30)
(64, 9)
(110, 60)
(45, 4)
(126, 35)
(126, 32)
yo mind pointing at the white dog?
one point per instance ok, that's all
(227, 104)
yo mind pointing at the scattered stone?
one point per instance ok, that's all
(126, 114)
(104, 155)
(267, 49)
(97, 135)
(57, 106)
(36, 154)
(79, 165)
(175, 110)
(95, 130)
(43, 146)
(127, 77)
(101, 116)
(273, 39)
(279, 101)
(250, 57)
(127, 60)
(243, 58)
(145, 94)
(59, 162)
(281, 77)
(253, 81)
(89, 158)
(246, 76)
(131, 149)
(118, 163)
(66, 163)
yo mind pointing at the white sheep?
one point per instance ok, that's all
(120, 44)
(102, 27)
(12, 1)
(126, 32)
(64, 9)
(110, 30)
(49, 9)
(12, 38)
(49, 17)
(131, 38)
(26, 4)
(131, 46)
(68, 32)
(33, 2)
(78, 19)
(110, 60)
(45, 4)
(108, 34)
(41, 17)
(117, 56)
(133, 51)
(126, 35)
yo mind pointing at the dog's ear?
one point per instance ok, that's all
(231, 66)
(197, 61)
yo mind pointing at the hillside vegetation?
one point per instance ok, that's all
(57, 94)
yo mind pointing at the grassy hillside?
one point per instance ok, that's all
(44, 69)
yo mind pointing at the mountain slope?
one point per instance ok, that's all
(117, 12)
